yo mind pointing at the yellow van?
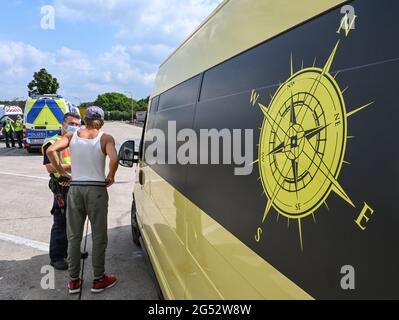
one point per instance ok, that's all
(312, 217)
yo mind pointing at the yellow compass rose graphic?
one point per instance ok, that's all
(303, 143)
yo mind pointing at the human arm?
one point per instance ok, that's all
(47, 163)
(50, 168)
(53, 154)
(110, 151)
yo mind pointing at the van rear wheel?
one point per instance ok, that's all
(135, 225)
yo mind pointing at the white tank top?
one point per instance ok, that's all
(88, 159)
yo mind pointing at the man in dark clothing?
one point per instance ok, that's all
(9, 133)
(19, 128)
(60, 188)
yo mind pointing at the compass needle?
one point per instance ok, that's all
(292, 110)
(294, 164)
(326, 69)
(267, 210)
(274, 195)
(278, 149)
(330, 60)
(337, 188)
(359, 109)
(300, 233)
(271, 121)
(325, 203)
(292, 66)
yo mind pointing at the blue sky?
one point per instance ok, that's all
(96, 46)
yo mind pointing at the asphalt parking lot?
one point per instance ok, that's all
(25, 224)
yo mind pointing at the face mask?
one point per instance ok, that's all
(71, 129)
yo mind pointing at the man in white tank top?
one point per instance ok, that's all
(88, 195)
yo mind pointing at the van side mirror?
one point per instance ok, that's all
(128, 155)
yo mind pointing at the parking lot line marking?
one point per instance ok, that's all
(25, 242)
(22, 175)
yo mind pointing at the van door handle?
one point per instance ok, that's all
(141, 177)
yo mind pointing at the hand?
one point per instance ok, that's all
(110, 181)
(65, 184)
(62, 172)
(65, 180)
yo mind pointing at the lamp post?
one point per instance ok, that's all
(78, 100)
(131, 98)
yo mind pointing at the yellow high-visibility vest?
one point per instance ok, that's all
(9, 127)
(65, 156)
(19, 125)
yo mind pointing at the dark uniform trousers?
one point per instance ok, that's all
(58, 239)
(9, 136)
(19, 135)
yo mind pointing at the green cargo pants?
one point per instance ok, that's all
(92, 202)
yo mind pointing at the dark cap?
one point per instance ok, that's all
(95, 113)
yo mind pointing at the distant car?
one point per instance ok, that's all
(140, 116)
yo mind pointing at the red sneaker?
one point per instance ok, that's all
(105, 283)
(74, 286)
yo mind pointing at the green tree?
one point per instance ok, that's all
(118, 116)
(142, 105)
(119, 105)
(43, 83)
(115, 102)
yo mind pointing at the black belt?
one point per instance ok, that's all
(88, 184)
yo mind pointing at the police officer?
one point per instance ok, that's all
(60, 188)
(9, 133)
(19, 130)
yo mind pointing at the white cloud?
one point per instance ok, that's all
(166, 22)
(16, 56)
(79, 75)
(73, 59)
(147, 32)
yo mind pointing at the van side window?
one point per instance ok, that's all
(176, 107)
(148, 124)
(181, 95)
(154, 105)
